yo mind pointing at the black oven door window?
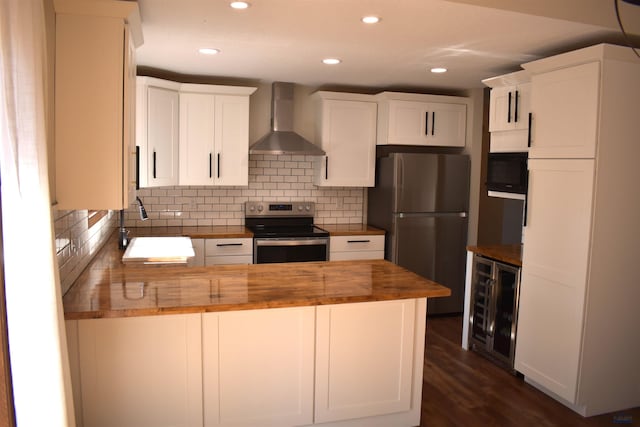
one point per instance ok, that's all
(288, 251)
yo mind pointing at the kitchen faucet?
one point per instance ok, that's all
(123, 239)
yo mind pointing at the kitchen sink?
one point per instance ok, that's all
(159, 250)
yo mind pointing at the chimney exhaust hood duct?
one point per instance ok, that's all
(282, 139)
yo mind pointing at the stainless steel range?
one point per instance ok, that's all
(284, 232)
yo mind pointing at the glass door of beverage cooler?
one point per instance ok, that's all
(505, 296)
(481, 310)
(494, 309)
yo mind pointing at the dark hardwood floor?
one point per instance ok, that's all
(462, 388)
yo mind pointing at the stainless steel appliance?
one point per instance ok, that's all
(421, 200)
(493, 317)
(284, 232)
(507, 175)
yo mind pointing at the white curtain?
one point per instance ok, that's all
(37, 342)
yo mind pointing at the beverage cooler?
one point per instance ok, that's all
(494, 309)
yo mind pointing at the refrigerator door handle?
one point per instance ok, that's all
(431, 214)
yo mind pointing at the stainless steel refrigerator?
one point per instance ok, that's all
(421, 200)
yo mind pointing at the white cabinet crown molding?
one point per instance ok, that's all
(126, 10)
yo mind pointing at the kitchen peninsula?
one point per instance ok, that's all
(337, 343)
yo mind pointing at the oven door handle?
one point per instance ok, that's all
(301, 242)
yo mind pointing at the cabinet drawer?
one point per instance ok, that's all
(357, 243)
(217, 247)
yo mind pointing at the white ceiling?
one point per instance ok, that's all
(285, 40)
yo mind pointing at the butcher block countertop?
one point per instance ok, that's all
(511, 254)
(109, 288)
(240, 231)
(203, 232)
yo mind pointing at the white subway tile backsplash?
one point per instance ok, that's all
(271, 178)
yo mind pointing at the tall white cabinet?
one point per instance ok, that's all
(578, 324)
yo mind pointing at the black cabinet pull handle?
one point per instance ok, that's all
(515, 114)
(218, 165)
(433, 123)
(529, 130)
(326, 167)
(509, 110)
(228, 244)
(137, 167)
(210, 165)
(359, 241)
(426, 123)
(154, 164)
(526, 200)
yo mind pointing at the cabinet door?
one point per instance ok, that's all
(196, 138)
(564, 104)
(446, 124)
(162, 136)
(258, 367)
(407, 123)
(231, 156)
(554, 273)
(429, 124)
(91, 161)
(349, 139)
(364, 359)
(141, 371)
(509, 108)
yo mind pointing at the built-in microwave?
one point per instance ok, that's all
(507, 175)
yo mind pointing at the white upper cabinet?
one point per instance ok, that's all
(347, 133)
(94, 118)
(509, 110)
(426, 120)
(214, 135)
(565, 112)
(157, 132)
(193, 134)
(197, 133)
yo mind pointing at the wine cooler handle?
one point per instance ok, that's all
(492, 325)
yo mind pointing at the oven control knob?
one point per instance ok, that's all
(260, 208)
(308, 208)
(252, 208)
(300, 207)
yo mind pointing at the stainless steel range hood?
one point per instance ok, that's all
(282, 139)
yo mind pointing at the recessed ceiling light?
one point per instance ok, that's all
(438, 70)
(370, 19)
(208, 51)
(331, 61)
(239, 4)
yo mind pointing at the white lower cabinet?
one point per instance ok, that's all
(372, 377)
(343, 248)
(137, 371)
(343, 365)
(258, 367)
